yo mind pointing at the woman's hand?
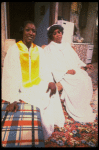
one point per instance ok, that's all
(71, 72)
(89, 66)
(52, 87)
(59, 86)
(84, 68)
(12, 107)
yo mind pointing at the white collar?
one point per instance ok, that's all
(57, 44)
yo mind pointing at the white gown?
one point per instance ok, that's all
(51, 109)
(77, 88)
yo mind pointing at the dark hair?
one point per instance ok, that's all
(24, 24)
(51, 30)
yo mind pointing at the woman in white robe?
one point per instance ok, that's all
(13, 89)
(70, 76)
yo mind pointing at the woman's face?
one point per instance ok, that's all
(29, 34)
(57, 36)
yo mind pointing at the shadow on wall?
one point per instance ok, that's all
(41, 37)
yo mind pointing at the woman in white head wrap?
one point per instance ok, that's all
(70, 76)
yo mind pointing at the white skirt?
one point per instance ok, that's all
(78, 94)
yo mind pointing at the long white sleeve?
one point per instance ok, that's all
(54, 65)
(11, 76)
(45, 71)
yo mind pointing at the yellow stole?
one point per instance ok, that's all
(29, 64)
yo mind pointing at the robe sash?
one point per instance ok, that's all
(29, 64)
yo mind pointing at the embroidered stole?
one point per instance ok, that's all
(29, 64)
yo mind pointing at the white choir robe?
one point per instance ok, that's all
(51, 109)
(77, 88)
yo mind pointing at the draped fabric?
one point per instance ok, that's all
(77, 88)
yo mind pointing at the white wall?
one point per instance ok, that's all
(42, 23)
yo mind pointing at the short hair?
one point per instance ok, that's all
(24, 24)
(52, 29)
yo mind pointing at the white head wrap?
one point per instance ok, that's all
(51, 26)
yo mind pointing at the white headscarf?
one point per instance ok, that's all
(52, 26)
